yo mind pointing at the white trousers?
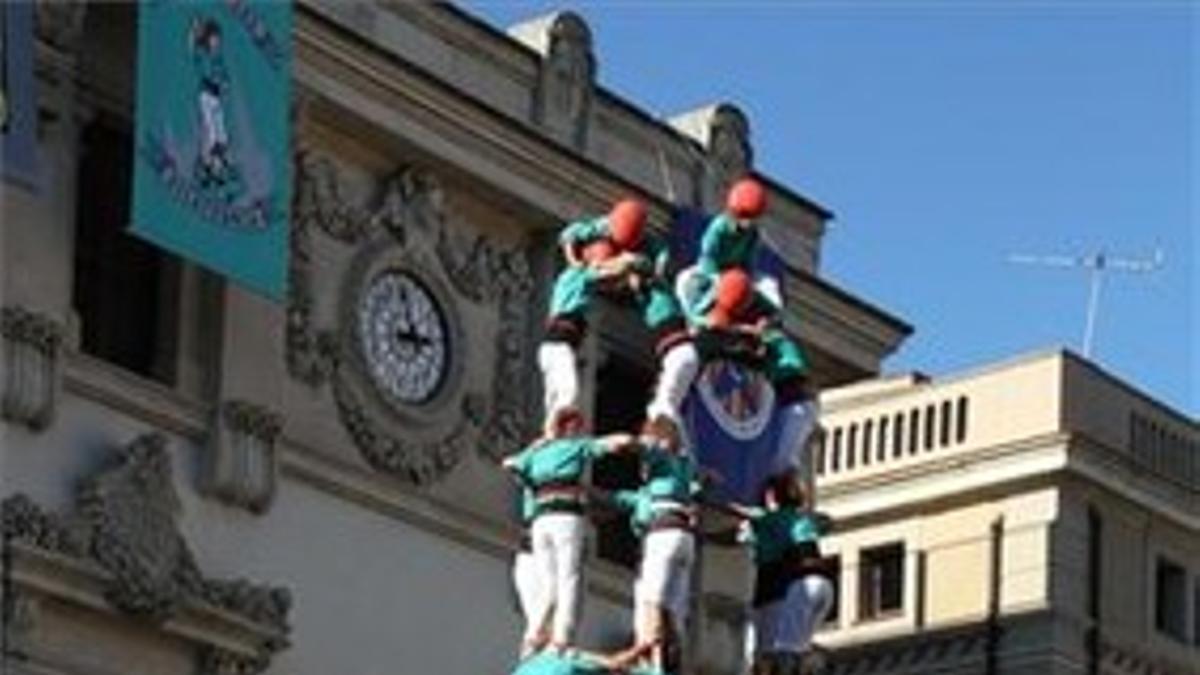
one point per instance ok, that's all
(680, 364)
(527, 580)
(665, 577)
(212, 123)
(800, 419)
(560, 377)
(788, 624)
(558, 554)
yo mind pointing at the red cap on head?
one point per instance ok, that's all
(626, 222)
(747, 199)
(565, 418)
(734, 289)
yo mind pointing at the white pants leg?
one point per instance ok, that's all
(212, 120)
(560, 376)
(558, 548)
(792, 453)
(680, 364)
(666, 572)
(765, 623)
(527, 579)
(801, 612)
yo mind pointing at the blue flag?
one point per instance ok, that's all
(18, 105)
(212, 177)
(730, 413)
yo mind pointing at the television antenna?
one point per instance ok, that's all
(1097, 264)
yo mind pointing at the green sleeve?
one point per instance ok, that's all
(712, 242)
(584, 231)
(760, 306)
(522, 462)
(593, 448)
(658, 257)
(626, 500)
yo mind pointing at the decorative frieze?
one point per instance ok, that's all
(32, 343)
(124, 530)
(243, 465)
(60, 23)
(404, 230)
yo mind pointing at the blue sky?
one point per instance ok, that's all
(946, 136)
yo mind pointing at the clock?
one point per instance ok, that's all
(404, 337)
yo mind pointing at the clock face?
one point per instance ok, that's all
(404, 337)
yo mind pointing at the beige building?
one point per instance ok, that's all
(1032, 516)
(166, 434)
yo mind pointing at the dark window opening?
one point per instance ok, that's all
(881, 582)
(914, 431)
(881, 451)
(961, 433)
(1170, 600)
(832, 619)
(898, 436)
(125, 290)
(868, 429)
(852, 447)
(621, 396)
(837, 450)
(820, 460)
(944, 439)
(930, 425)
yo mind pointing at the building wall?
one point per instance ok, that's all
(423, 139)
(1089, 480)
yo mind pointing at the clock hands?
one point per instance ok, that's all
(413, 337)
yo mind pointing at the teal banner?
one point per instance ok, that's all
(212, 177)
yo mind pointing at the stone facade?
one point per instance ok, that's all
(1042, 507)
(248, 439)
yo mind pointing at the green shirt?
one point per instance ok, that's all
(574, 289)
(558, 461)
(772, 533)
(670, 479)
(548, 663)
(725, 245)
(669, 475)
(653, 249)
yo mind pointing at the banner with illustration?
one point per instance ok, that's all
(212, 177)
(730, 413)
(18, 103)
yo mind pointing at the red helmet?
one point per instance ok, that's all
(734, 290)
(626, 222)
(747, 199)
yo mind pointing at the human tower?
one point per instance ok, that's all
(714, 309)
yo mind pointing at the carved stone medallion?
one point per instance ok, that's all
(397, 355)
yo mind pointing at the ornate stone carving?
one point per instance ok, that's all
(729, 151)
(318, 203)
(415, 462)
(565, 84)
(60, 23)
(32, 344)
(408, 222)
(216, 661)
(510, 424)
(242, 462)
(125, 524)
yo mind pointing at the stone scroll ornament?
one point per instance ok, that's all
(126, 524)
(406, 225)
(31, 347)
